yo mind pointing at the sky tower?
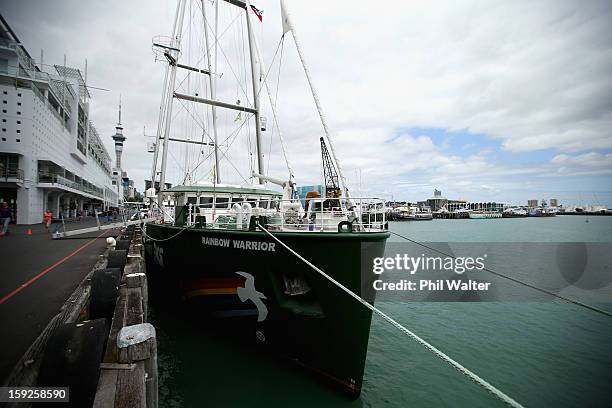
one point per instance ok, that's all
(119, 139)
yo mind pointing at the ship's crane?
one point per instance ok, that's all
(330, 175)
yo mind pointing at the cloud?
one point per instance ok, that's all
(532, 76)
(592, 159)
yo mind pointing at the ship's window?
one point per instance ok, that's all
(19, 113)
(192, 200)
(222, 202)
(206, 202)
(4, 139)
(18, 122)
(263, 203)
(18, 103)
(3, 110)
(252, 201)
(4, 130)
(19, 94)
(18, 140)
(4, 102)
(18, 131)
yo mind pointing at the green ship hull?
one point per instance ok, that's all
(270, 296)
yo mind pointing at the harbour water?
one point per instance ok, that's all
(540, 353)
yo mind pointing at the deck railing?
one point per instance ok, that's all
(321, 215)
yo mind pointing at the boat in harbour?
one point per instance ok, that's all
(542, 212)
(420, 214)
(412, 213)
(515, 212)
(221, 249)
(484, 214)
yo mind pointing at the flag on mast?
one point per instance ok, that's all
(258, 13)
(285, 17)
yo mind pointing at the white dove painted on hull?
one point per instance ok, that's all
(249, 292)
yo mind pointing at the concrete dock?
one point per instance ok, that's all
(37, 275)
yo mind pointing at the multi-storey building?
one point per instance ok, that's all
(51, 156)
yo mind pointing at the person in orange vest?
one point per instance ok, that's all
(47, 217)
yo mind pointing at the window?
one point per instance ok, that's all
(206, 202)
(263, 203)
(18, 131)
(4, 92)
(18, 122)
(3, 129)
(18, 140)
(19, 113)
(222, 202)
(18, 103)
(3, 110)
(19, 95)
(4, 102)
(4, 139)
(192, 200)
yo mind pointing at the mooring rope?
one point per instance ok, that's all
(166, 239)
(478, 380)
(501, 275)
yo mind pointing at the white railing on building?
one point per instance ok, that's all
(51, 178)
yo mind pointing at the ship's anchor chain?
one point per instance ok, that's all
(478, 380)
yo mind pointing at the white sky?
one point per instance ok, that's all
(484, 100)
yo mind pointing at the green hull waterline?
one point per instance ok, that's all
(325, 329)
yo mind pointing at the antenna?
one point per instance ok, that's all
(119, 109)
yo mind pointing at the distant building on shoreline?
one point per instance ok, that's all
(51, 155)
(440, 203)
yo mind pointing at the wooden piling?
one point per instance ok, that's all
(136, 344)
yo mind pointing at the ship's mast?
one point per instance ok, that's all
(264, 80)
(255, 79)
(212, 69)
(172, 56)
(162, 106)
(171, 52)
